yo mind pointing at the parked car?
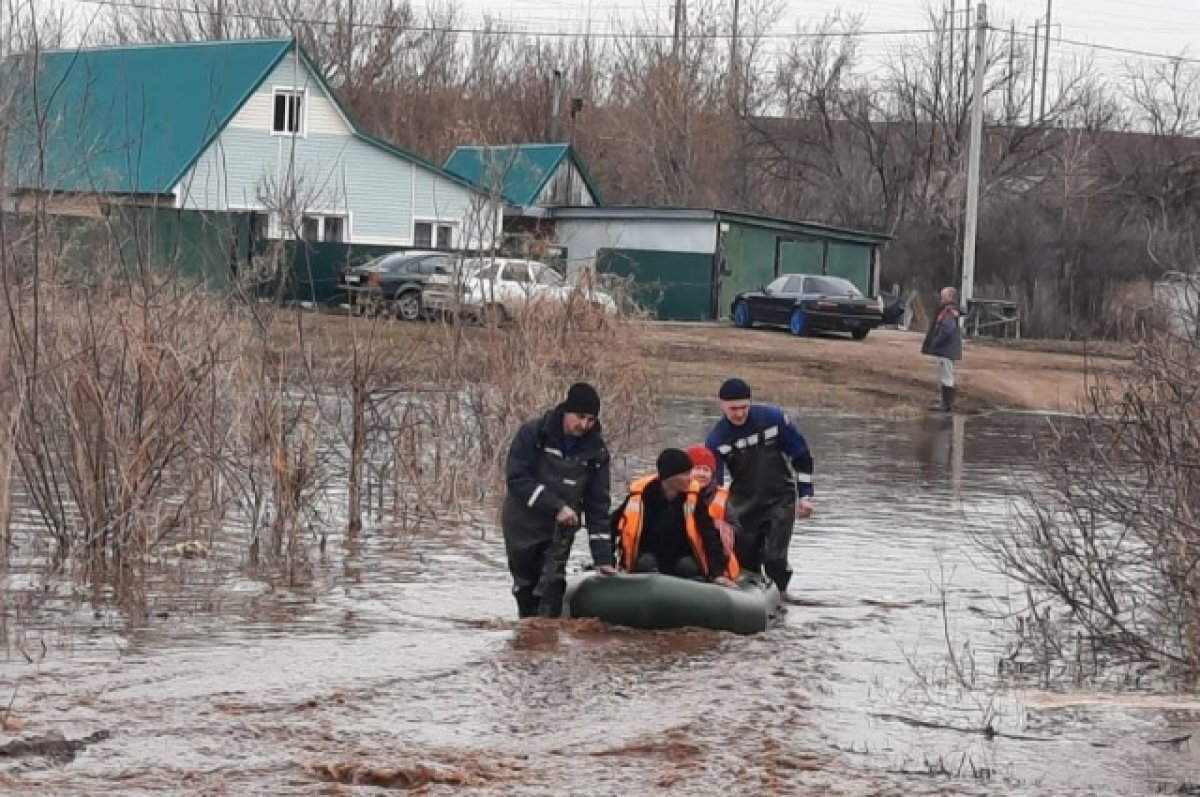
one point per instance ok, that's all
(500, 286)
(807, 303)
(394, 282)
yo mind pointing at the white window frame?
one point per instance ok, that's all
(434, 223)
(302, 128)
(276, 232)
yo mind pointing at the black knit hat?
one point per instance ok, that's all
(583, 399)
(734, 390)
(672, 462)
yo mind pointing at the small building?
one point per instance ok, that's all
(689, 263)
(249, 128)
(530, 180)
(528, 177)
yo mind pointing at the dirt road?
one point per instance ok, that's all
(882, 375)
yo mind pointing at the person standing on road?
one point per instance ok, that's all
(944, 342)
(771, 472)
(557, 468)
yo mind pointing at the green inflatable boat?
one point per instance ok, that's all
(652, 601)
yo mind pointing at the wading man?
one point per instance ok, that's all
(771, 473)
(558, 476)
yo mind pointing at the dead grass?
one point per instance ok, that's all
(884, 375)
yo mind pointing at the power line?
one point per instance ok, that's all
(1123, 50)
(476, 31)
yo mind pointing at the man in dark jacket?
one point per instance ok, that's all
(771, 470)
(666, 528)
(557, 467)
(944, 341)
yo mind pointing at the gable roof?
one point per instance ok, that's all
(526, 169)
(135, 119)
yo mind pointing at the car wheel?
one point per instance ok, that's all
(798, 323)
(493, 314)
(408, 306)
(859, 334)
(741, 316)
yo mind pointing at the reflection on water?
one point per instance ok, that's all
(400, 666)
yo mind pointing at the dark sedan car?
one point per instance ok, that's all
(808, 303)
(393, 282)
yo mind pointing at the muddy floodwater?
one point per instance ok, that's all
(399, 666)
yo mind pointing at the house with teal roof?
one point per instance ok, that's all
(248, 127)
(528, 176)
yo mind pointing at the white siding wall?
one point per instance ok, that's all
(584, 237)
(321, 114)
(331, 171)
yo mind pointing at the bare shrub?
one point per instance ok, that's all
(1110, 547)
(127, 381)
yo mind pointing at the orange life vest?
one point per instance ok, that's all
(717, 509)
(634, 516)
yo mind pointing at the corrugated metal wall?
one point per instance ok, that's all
(748, 261)
(675, 286)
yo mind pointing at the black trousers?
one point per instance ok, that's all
(763, 537)
(539, 574)
(684, 567)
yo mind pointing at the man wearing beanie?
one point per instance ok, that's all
(557, 467)
(665, 528)
(771, 469)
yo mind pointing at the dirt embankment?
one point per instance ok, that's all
(884, 374)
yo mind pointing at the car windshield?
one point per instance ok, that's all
(391, 262)
(548, 276)
(830, 286)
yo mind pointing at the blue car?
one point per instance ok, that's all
(807, 303)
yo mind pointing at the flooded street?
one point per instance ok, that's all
(400, 666)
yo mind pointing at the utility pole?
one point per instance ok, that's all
(966, 50)
(1046, 58)
(1009, 109)
(556, 87)
(1037, 32)
(680, 26)
(973, 155)
(219, 21)
(951, 78)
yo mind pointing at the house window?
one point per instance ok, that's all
(423, 234)
(288, 112)
(427, 233)
(310, 228)
(323, 228)
(334, 229)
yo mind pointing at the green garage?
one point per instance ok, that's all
(688, 264)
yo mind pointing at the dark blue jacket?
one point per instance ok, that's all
(944, 338)
(544, 474)
(767, 457)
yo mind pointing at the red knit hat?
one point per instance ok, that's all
(702, 456)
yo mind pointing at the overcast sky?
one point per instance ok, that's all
(1166, 26)
(1169, 27)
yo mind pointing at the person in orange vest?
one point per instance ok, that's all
(665, 527)
(715, 497)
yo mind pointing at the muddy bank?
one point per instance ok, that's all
(399, 666)
(884, 375)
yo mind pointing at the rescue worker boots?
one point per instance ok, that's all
(527, 602)
(778, 572)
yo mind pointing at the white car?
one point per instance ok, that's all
(502, 285)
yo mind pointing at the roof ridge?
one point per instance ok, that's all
(105, 48)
